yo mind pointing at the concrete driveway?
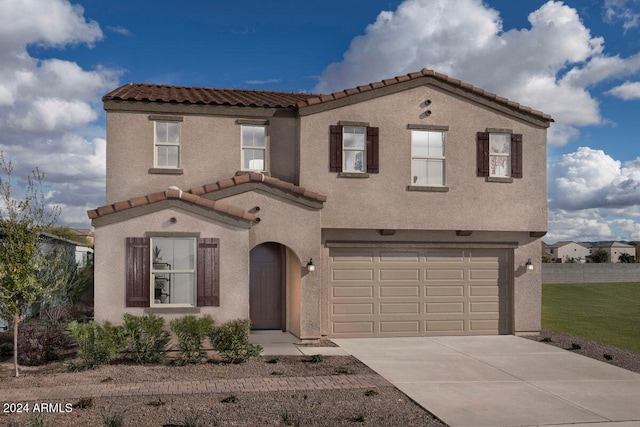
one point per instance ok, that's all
(503, 381)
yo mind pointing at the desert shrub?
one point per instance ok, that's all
(231, 340)
(42, 342)
(144, 338)
(97, 345)
(190, 332)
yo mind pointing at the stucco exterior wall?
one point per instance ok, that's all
(382, 200)
(298, 228)
(210, 151)
(110, 264)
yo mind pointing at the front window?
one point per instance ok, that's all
(167, 144)
(427, 158)
(500, 155)
(173, 273)
(254, 147)
(354, 141)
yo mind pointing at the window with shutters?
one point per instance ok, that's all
(499, 155)
(173, 272)
(180, 271)
(353, 149)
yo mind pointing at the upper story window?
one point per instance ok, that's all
(167, 144)
(499, 155)
(353, 149)
(427, 158)
(254, 148)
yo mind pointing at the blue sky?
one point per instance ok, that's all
(578, 60)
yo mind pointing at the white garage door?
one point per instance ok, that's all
(416, 292)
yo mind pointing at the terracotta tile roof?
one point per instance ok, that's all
(311, 100)
(272, 99)
(170, 193)
(206, 96)
(258, 177)
(194, 194)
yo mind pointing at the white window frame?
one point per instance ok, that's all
(507, 155)
(159, 144)
(263, 148)
(414, 156)
(346, 149)
(162, 272)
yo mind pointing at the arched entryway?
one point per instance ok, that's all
(267, 286)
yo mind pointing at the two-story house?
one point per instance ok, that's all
(410, 206)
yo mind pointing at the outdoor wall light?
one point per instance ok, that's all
(529, 264)
(310, 266)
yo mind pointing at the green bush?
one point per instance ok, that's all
(190, 332)
(97, 345)
(231, 340)
(41, 342)
(144, 338)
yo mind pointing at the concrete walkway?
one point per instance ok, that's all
(503, 380)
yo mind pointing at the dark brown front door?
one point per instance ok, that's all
(266, 288)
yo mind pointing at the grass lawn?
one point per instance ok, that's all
(604, 312)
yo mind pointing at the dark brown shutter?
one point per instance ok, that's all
(516, 155)
(138, 272)
(483, 153)
(372, 150)
(208, 272)
(335, 148)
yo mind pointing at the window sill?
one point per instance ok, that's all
(172, 310)
(353, 175)
(428, 188)
(164, 171)
(497, 179)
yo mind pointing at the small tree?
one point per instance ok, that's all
(626, 258)
(600, 256)
(21, 223)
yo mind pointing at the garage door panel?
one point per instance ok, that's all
(448, 326)
(355, 308)
(400, 308)
(354, 328)
(400, 327)
(399, 291)
(441, 275)
(352, 274)
(383, 292)
(352, 291)
(399, 274)
(444, 307)
(444, 291)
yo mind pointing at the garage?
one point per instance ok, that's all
(418, 292)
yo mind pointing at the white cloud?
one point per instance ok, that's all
(589, 178)
(627, 91)
(623, 10)
(548, 66)
(48, 106)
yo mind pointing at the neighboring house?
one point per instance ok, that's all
(615, 249)
(568, 252)
(83, 234)
(409, 206)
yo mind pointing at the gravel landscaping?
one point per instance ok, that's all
(375, 406)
